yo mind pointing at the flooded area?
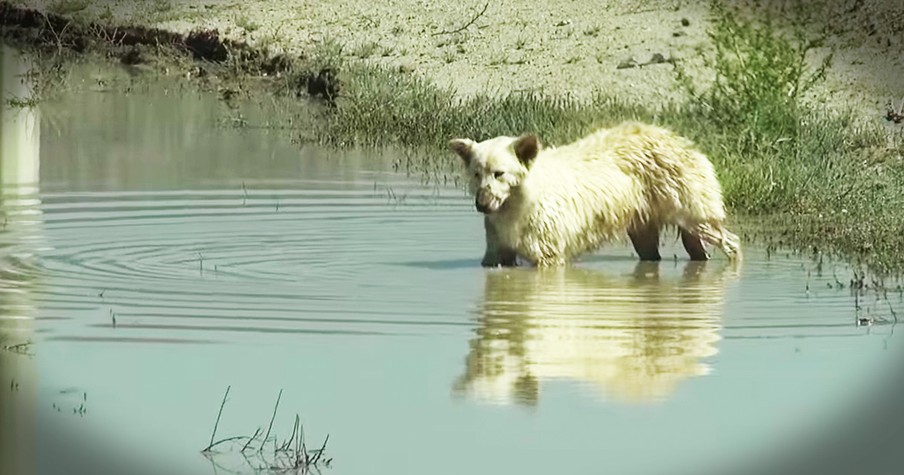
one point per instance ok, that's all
(154, 257)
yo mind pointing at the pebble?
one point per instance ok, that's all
(627, 63)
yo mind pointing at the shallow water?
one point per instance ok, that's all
(154, 257)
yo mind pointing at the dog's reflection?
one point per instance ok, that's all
(633, 336)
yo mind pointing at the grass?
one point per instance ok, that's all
(288, 456)
(368, 49)
(593, 31)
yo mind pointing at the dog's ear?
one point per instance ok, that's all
(463, 148)
(526, 148)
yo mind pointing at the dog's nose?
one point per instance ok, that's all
(481, 207)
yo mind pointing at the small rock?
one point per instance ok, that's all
(563, 23)
(685, 22)
(627, 63)
(676, 34)
(657, 58)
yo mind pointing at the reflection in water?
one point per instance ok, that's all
(19, 237)
(634, 337)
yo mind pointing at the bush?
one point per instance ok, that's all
(760, 77)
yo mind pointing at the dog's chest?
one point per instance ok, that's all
(520, 230)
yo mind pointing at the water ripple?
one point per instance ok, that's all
(289, 261)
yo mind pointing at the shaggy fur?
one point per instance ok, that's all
(550, 205)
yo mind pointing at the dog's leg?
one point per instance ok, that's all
(717, 235)
(693, 245)
(646, 242)
(496, 254)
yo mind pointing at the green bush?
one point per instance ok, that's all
(760, 79)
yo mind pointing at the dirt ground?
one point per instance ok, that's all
(562, 47)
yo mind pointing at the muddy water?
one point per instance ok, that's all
(154, 258)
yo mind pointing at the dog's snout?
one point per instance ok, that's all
(484, 202)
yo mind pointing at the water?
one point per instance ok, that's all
(154, 257)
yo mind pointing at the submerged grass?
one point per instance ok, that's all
(267, 454)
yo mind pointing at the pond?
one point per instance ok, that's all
(154, 256)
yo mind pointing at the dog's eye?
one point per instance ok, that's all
(476, 174)
(498, 174)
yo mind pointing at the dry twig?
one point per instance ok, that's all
(465, 27)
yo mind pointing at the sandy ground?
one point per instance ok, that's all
(561, 47)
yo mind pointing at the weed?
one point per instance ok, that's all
(291, 455)
(593, 31)
(388, 50)
(760, 76)
(498, 58)
(328, 54)
(366, 50)
(449, 56)
(68, 7)
(452, 39)
(247, 24)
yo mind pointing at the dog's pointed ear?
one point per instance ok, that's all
(526, 148)
(463, 148)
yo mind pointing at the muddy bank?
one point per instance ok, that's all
(200, 53)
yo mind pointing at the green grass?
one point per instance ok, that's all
(824, 182)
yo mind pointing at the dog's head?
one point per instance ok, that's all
(496, 167)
